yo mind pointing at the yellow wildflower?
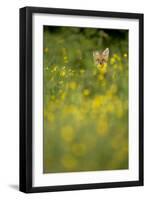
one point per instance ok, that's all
(125, 55)
(69, 162)
(82, 71)
(112, 60)
(67, 133)
(86, 92)
(46, 50)
(102, 69)
(63, 73)
(63, 95)
(97, 102)
(55, 68)
(65, 59)
(72, 85)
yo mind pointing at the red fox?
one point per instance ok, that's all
(101, 58)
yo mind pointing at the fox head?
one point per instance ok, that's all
(101, 58)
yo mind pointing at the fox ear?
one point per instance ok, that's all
(106, 53)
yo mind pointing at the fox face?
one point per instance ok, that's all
(101, 58)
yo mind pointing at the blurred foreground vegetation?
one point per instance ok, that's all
(85, 108)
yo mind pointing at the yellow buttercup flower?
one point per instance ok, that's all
(65, 59)
(55, 68)
(67, 133)
(125, 55)
(63, 73)
(97, 102)
(69, 162)
(63, 95)
(86, 92)
(112, 60)
(102, 68)
(73, 85)
(116, 56)
(82, 71)
(46, 50)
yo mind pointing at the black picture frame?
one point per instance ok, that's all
(26, 96)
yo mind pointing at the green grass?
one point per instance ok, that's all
(85, 108)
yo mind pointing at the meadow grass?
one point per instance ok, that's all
(85, 108)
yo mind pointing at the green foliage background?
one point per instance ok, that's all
(85, 107)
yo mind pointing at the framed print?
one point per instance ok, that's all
(81, 99)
